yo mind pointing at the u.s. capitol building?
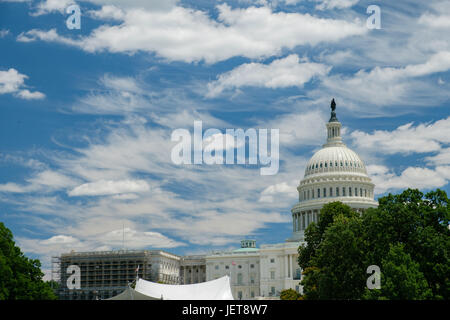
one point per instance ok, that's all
(334, 173)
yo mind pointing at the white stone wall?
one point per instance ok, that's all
(243, 269)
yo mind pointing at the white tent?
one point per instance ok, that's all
(218, 289)
(131, 294)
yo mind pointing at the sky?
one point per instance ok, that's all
(86, 115)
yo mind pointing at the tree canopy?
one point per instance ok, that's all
(407, 236)
(20, 277)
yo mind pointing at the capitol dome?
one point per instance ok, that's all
(334, 173)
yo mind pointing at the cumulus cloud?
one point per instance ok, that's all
(412, 177)
(252, 32)
(280, 73)
(11, 81)
(279, 191)
(407, 138)
(108, 187)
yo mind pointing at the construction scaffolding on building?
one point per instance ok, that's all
(104, 274)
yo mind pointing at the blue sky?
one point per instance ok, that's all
(87, 115)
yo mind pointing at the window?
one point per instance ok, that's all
(356, 192)
(349, 191)
(360, 192)
(312, 193)
(318, 193)
(308, 194)
(298, 274)
(272, 260)
(252, 278)
(331, 164)
(337, 191)
(335, 163)
(252, 266)
(325, 164)
(227, 267)
(324, 192)
(365, 192)
(272, 275)
(239, 279)
(272, 290)
(239, 266)
(331, 191)
(252, 294)
(216, 267)
(240, 295)
(343, 191)
(321, 165)
(341, 164)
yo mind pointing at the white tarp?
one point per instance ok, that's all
(218, 289)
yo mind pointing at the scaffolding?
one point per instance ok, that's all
(56, 268)
(107, 273)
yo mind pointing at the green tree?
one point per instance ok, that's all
(20, 277)
(315, 232)
(408, 232)
(400, 278)
(289, 294)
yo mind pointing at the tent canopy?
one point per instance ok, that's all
(218, 289)
(131, 294)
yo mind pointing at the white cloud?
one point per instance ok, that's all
(281, 73)
(299, 129)
(138, 239)
(335, 4)
(407, 138)
(251, 32)
(108, 187)
(442, 158)
(412, 177)
(43, 181)
(11, 81)
(4, 33)
(48, 6)
(279, 192)
(399, 85)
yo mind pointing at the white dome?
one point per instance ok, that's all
(334, 173)
(335, 159)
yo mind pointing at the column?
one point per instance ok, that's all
(290, 266)
(285, 266)
(184, 275)
(192, 274)
(303, 220)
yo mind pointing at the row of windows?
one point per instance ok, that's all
(355, 164)
(228, 267)
(338, 192)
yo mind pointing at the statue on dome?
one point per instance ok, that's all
(333, 113)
